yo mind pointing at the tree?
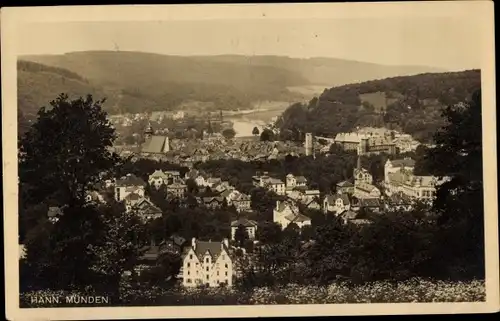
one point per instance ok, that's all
(116, 250)
(240, 235)
(269, 233)
(459, 201)
(255, 131)
(63, 153)
(267, 135)
(229, 133)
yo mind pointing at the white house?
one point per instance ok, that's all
(295, 181)
(127, 185)
(158, 178)
(249, 225)
(285, 213)
(336, 203)
(275, 185)
(207, 263)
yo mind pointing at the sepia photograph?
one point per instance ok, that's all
(202, 160)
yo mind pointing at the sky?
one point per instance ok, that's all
(444, 42)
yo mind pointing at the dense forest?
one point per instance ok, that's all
(413, 105)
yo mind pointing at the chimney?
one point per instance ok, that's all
(193, 243)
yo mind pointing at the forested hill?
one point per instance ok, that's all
(38, 84)
(411, 104)
(140, 82)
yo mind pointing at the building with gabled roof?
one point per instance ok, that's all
(285, 213)
(207, 263)
(345, 187)
(144, 208)
(336, 203)
(127, 185)
(154, 144)
(249, 225)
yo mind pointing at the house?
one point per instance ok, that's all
(285, 213)
(416, 187)
(94, 197)
(249, 225)
(365, 190)
(207, 263)
(395, 165)
(398, 201)
(361, 175)
(348, 216)
(213, 201)
(158, 178)
(145, 209)
(274, 184)
(345, 187)
(175, 244)
(54, 213)
(127, 185)
(177, 190)
(294, 181)
(242, 202)
(372, 204)
(313, 204)
(336, 203)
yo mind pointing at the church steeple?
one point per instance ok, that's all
(358, 165)
(149, 131)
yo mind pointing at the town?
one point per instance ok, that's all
(213, 262)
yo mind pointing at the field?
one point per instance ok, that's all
(411, 291)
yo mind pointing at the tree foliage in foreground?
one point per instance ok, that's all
(65, 150)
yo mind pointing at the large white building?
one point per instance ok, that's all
(399, 178)
(207, 263)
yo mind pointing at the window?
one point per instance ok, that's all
(226, 265)
(226, 273)
(207, 260)
(207, 276)
(218, 281)
(207, 268)
(217, 273)
(189, 265)
(190, 256)
(188, 281)
(223, 257)
(189, 273)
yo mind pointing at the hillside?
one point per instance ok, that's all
(411, 104)
(326, 71)
(138, 82)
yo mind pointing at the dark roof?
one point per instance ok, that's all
(130, 180)
(178, 240)
(301, 179)
(155, 145)
(345, 184)
(244, 222)
(349, 215)
(369, 202)
(214, 248)
(399, 199)
(298, 217)
(54, 211)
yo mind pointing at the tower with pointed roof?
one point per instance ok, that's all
(148, 132)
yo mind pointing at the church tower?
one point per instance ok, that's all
(148, 132)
